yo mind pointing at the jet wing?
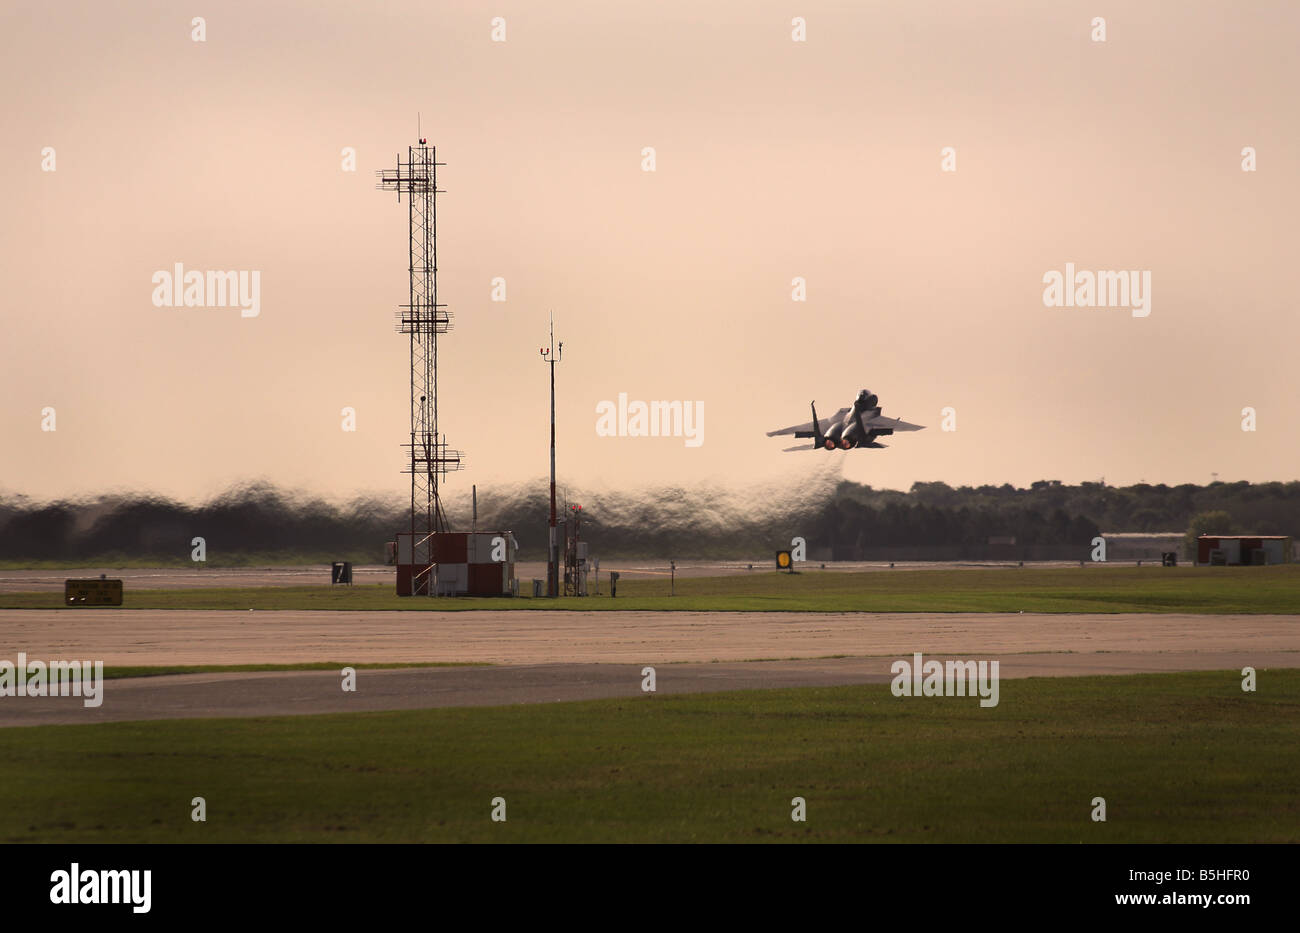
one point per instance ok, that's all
(786, 450)
(825, 424)
(880, 423)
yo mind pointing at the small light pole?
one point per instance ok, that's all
(552, 552)
(672, 578)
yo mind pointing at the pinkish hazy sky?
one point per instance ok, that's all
(774, 159)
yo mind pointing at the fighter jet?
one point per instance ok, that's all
(858, 426)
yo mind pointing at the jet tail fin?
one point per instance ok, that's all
(815, 433)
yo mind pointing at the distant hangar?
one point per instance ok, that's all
(1242, 550)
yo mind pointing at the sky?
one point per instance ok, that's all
(822, 160)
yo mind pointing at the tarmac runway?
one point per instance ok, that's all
(201, 576)
(545, 656)
(170, 637)
(289, 693)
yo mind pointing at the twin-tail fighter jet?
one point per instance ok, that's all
(858, 426)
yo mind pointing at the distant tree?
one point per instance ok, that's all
(1217, 522)
(1082, 531)
(1146, 520)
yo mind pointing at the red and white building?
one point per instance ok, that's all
(464, 564)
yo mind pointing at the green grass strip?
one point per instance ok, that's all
(1208, 590)
(1184, 757)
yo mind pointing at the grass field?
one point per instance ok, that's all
(1178, 757)
(1084, 589)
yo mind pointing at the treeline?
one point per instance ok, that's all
(861, 521)
(248, 520)
(837, 519)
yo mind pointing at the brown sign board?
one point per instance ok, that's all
(92, 592)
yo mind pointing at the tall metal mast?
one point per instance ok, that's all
(423, 318)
